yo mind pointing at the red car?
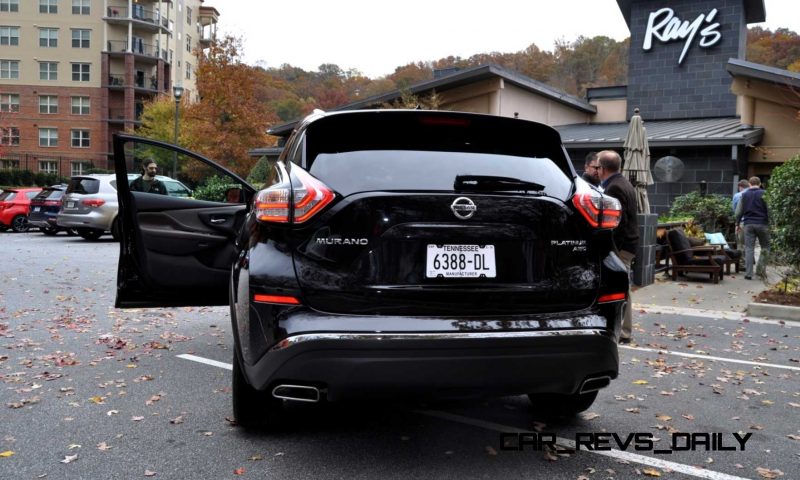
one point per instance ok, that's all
(14, 206)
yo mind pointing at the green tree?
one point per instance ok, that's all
(783, 199)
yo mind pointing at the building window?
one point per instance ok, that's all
(188, 71)
(189, 43)
(48, 37)
(48, 166)
(80, 138)
(48, 6)
(80, 72)
(79, 168)
(9, 68)
(188, 15)
(81, 7)
(80, 37)
(9, 35)
(48, 104)
(9, 5)
(48, 137)
(80, 105)
(9, 102)
(9, 136)
(48, 70)
(9, 165)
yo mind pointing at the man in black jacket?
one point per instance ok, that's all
(626, 235)
(148, 182)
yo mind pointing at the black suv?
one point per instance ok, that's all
(391, 252)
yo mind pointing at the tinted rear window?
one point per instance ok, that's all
(403, 170)
(83, 185)
(50, 194)
(7, 196)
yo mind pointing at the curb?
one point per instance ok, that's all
(782, 312)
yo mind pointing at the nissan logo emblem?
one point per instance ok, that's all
(463, 208)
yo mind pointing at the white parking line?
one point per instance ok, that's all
(711, 357)
(702, 313)
(207, 361)
(618, 454)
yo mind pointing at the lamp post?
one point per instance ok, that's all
(177, 92)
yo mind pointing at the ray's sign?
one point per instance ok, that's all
(663, 25)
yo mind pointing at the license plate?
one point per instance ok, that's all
(460, 261)
(36, 209)
(70, 204)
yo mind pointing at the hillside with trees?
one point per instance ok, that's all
(238, 102)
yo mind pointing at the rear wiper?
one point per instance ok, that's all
(491, 183)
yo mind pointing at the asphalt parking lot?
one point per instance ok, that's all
(89, 391)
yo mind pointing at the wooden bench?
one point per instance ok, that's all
(684, 258)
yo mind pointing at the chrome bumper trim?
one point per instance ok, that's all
(389, 337)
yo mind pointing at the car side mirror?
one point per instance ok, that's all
(234, 195)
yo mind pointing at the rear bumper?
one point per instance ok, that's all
(96, 219)
(42, 220)
(438, 364)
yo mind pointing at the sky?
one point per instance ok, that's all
(376, 36)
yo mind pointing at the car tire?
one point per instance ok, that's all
(561, 406)
(116, 232)
(49, 231)
(253, 409)
(20, 224)
(91, 234)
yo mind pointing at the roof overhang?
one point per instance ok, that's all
(742, 68)
(703, 132)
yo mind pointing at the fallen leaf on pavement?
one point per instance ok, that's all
(6, 454)
(651, 472)
(239, 471)
(664, 418)
(149, 473)
(589, 415)
(640, 382)
(177, 420)
(103, 446)
(767, 473)
(69, 458)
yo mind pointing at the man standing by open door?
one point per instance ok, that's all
(626, 236)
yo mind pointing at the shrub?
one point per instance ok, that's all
(711, 212)
(783, 200)
(260, 172)
(214, 189)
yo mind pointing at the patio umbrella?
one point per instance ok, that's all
(636, 165)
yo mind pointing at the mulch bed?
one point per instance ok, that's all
(778, 298)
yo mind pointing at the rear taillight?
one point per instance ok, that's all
(601, 211)
(276, 299)
(311, 196)
(52, 203)
(93, 202)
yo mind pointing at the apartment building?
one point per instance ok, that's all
(73, 72)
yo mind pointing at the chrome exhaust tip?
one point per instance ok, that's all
(593, 384)
(297, 393)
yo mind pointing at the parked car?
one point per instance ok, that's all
(90, 204)
(44, 210)
(14, 206)
(397, 252)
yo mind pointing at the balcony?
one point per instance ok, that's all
(140, 17)
(143, 51)
(116, 81)
(117, 115)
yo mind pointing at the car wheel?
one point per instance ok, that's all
(90, 233)
(20, 224)
(49, 231)
(555, 405)
(116, 231)
(253, 409)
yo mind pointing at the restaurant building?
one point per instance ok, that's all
(711, 117)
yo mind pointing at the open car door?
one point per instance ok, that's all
(175, 250)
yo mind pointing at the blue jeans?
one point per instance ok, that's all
(751, 232)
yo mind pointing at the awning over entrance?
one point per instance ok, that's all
(663, 133)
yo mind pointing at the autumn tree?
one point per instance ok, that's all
(228, 120)
(780, 48)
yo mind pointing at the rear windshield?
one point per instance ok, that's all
(7, 196)
(406, 170)
(83, 185)
(50, 194)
